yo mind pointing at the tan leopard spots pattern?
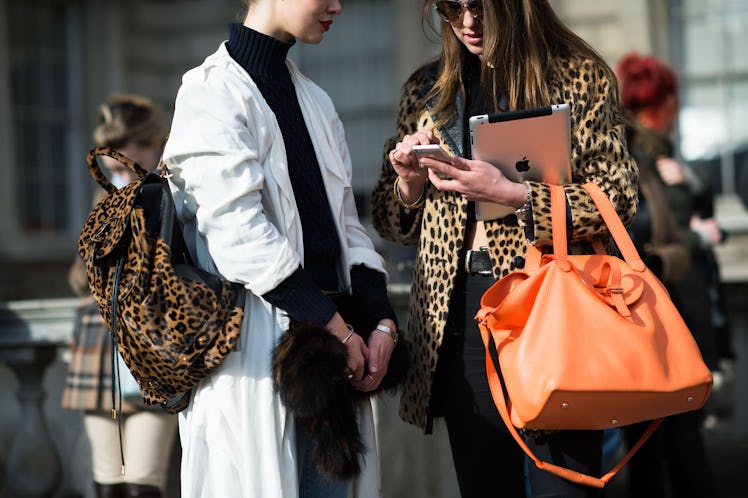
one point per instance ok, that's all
(172, 329)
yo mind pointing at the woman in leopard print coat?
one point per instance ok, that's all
(497, 55)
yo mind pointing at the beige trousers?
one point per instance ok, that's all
(147, 440)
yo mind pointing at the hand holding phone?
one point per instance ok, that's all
(433, 151)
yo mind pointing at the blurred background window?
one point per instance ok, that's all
(709, 46)
(45, 77)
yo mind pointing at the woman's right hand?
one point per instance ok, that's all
(413, 175)
(358, 353)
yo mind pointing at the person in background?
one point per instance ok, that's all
(742, 187)
(654, 230)
(705, 224)
(261, 178)
(675, 458)
(134, 126)
(497, 55)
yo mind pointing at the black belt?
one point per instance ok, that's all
(478, 262)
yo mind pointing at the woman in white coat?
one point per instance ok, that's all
(261, 177)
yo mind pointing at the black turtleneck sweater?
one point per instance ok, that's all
(300, 295)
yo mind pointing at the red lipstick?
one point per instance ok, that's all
(326, 25)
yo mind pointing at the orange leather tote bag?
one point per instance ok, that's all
(588, 341)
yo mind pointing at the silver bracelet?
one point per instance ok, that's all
(350, 333)
(526, 208)
(386, 330)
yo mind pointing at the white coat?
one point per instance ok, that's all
(233, 192)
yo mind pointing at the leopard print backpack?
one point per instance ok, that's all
(171, 322)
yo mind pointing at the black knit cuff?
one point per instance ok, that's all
(370, 287)
(301, 299)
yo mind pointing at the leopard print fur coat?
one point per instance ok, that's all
(599, 154)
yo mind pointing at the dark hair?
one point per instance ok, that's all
(521, 41)
(125, 119)
(645, 81)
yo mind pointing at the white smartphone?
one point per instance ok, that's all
(433, 151)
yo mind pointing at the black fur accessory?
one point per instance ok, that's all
(309, 373)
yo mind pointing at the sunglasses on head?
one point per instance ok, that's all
(451, 10)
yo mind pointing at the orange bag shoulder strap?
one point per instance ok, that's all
(497, 392)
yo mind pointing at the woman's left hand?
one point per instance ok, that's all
(475, 181)
(671, 171)
(380, 346)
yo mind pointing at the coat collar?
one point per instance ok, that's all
(453, 131)
(324, 134)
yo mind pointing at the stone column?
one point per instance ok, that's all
(33, 467)
(31, 334)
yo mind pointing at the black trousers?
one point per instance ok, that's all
(488, 462)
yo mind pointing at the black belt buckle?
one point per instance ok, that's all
(478, 262)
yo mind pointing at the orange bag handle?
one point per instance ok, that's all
(558, 226)
(615, 226)
(631, 256)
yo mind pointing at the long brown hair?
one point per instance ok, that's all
(521, 39)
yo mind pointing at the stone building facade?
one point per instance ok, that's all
(60, 58)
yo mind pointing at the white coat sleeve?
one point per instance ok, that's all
(361, 249)
(213, 155)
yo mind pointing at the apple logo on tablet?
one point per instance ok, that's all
(523, 165)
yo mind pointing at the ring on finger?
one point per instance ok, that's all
(370, 377)
(349, 376)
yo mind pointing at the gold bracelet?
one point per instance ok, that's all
(408, 207)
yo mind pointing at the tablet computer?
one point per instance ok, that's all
(531, 144)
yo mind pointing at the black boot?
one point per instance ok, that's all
(110, 490)
(141, 491)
